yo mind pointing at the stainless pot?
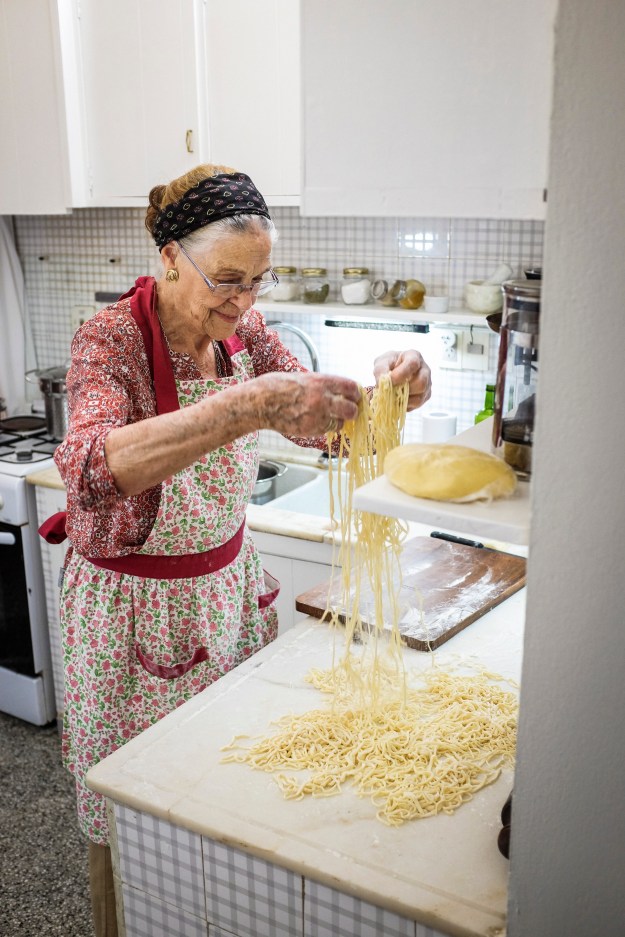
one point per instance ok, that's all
(264, 488)
(52, 385)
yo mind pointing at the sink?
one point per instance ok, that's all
(294, 477)
(313, 496)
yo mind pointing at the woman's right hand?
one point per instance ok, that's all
(299, 403)
(304, 403)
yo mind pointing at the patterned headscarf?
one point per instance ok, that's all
(217, 197)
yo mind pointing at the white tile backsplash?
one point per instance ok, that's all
(67, 258)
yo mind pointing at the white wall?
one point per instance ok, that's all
(568, 848)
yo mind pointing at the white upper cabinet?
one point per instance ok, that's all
(34, 172)
(164, 85)
(253, 83)
(414, 107)
(139, 78)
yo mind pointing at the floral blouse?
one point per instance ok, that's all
(109, 385)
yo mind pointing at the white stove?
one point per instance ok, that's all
(26, 687)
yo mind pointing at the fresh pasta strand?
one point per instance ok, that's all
(414, 750)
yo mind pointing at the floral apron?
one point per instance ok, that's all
(136, 647)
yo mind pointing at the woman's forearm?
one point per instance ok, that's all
(141, 455)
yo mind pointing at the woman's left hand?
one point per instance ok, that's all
(406, 366)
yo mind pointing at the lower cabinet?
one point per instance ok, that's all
(286, 559)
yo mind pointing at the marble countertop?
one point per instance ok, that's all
(259, 517)
(265, 517)
(443, 871)
(47, 478)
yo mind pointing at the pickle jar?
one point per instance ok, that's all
(315, 284)
(356, 286)
(289, 286)
(408, 293)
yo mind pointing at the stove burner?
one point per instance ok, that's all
(25, 448)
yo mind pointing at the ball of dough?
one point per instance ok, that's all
(446, 472)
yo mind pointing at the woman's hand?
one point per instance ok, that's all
(304, 403)
(406, 366)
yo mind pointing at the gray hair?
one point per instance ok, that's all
(200, 241)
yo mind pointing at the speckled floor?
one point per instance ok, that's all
(44, 886)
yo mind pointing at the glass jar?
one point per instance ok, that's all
(408, 293)
(356, 286)
(289, 286)
(316, 285)
(517, 375)
(382, 292)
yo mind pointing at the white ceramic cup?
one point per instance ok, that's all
(435, 303)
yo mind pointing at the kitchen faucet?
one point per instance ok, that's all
(312, 351)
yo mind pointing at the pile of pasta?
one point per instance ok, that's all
(416, 745)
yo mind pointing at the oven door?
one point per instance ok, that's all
(25, 672)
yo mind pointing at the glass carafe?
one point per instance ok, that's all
(517, 375)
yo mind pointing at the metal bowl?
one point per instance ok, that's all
(264, 487)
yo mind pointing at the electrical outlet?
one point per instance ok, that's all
(475, 347)
(451, 348)
(79, 314)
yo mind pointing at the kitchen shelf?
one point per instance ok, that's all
(282, 310)
(506, 519)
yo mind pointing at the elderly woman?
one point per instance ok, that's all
(168, 387)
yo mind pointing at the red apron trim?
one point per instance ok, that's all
(53, 529)
(170, 673)
(268, 597)
(184, 566)
(233, 345)
(143, 309)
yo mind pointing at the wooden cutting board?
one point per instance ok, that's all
(443, 588)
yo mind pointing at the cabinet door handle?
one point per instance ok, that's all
(189, 141)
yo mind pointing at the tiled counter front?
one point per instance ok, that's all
(174, 882)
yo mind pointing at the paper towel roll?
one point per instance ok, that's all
(438, 426)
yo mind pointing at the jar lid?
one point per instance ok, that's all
(314, 271)
(355, 271)
(522, 288)
(282, 271)
(379, 288)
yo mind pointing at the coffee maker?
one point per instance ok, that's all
(517, 375)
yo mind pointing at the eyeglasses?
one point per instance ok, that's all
(258, 288)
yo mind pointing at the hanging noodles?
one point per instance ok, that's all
(415, 750)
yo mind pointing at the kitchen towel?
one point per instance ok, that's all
(438, 426)
(17, 354)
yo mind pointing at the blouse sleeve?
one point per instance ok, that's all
(108, 385)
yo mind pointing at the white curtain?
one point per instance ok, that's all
(17, 352)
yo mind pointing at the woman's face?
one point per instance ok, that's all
(236, 258)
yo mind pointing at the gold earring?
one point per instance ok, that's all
(172, 276)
